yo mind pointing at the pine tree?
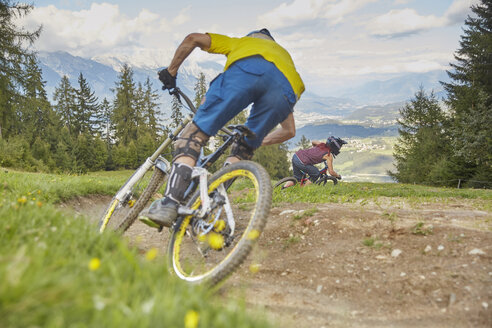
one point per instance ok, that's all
(304, 143)
(87, 107)
(36, 116)
(150, 107)
(106, 128)
(200, 89)
(274, 159)
(470, 97)
(13, 56)
(65, 98)
(176, 113)
(125, 114)
(422, 144)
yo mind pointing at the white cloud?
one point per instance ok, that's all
(97, 30)
(458, 11)
(300, 11)
(401, 2)
(407, 21)
(182, 17)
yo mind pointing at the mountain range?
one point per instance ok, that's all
(374, 101)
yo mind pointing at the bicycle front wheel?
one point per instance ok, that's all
(207, 250)
(325, 178)
(120, 215)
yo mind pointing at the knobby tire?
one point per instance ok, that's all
(155, 182)
(252, 221)
(281, 182)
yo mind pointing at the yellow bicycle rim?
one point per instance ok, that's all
(182, 229)
(108, 215)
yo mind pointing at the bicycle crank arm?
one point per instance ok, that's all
(183, 210)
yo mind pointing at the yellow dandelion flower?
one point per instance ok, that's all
(151, 254)
(253, 234)
(34, 198)
(22, 200)
(191, 319)
(216, 241)
(94, 264)
(254, 267)
(29, 193)
(201, 237)
(39, 192)
(219, 225)
(39, 204)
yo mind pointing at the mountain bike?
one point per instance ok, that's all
(223, 215)
(322, 179)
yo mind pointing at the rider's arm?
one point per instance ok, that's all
(191, 41)
(316, 142)
(286, 131)
(329, 161)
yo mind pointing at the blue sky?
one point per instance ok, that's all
(331, 41)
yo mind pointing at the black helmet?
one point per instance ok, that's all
(335, 144)
(263, 31)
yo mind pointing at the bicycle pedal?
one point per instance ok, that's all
(149, 222)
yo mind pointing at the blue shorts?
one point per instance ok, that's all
(250, 80)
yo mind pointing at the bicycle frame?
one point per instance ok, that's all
(305, 176)
(203, 162)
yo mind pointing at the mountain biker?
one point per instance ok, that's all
(303, 160)
(259, 71)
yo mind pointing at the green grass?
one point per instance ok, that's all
(365, 191)
(45, 266)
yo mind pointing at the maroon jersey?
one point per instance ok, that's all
(313, 155)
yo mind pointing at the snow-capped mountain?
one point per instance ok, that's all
(102, 74)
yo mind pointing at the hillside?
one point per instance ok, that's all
(364, 255)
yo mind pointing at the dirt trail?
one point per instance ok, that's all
(384, 264)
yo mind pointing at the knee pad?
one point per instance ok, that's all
(242, 150)
(189, 142)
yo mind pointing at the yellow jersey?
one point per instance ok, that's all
(239, 48)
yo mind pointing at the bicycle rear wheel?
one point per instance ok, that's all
(280, 183)
(120, 215)
(207, 250)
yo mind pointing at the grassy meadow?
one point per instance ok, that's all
(57, 271)
(362, 192)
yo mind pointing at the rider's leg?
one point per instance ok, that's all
(240, 150)
(296, 163)
(300, 168)
(228, 95)
(188, 145)
(288, 184)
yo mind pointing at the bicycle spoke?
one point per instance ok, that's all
(202, 248)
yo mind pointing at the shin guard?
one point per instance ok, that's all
(178, 181)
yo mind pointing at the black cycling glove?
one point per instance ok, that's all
(339, 177)
(167, 79)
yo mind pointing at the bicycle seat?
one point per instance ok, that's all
(243, 129)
